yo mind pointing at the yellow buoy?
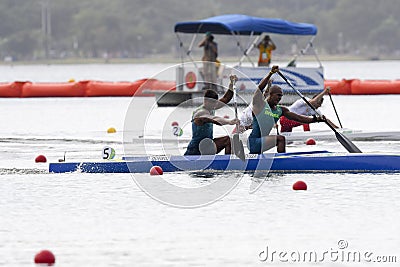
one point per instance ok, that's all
(111, 130)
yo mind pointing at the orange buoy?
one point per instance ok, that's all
(156, 170)
(299, 185)
(45, 257)
(310, 142)
(40, 159)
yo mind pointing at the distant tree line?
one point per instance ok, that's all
(36, 29)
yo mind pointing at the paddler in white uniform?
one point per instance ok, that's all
(300, 107)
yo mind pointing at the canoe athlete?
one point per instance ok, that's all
(266, 114)
(301, 107)
(203, 120)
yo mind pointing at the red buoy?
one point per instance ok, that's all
(299, 185)
(310, 141)
(174, 123)
(40, 158)
(156, 170)
(45, 256)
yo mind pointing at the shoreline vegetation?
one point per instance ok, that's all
(137, 31)
(161, 59)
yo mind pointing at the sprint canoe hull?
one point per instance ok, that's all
(315, 161)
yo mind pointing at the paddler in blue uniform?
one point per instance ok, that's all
(266, 114)
(203, 120)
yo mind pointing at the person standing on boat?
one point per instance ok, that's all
(203, 119)
(300, 107)
(266, 114)
(209, 61)
(265, 47)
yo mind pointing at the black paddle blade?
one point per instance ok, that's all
(238, 148)
(347, 143)
(341, 138)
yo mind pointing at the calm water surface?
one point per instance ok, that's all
(106, 220)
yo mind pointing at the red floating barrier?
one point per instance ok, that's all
(342, 87)
(97, 88)
(144, 87)
(13, 89)
(155, 85)
(375, 87)
(74, 89)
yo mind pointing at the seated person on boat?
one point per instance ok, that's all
(266, 114)
(301, 107)
(203, 120)
(246, 117)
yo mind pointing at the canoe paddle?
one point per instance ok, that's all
(333, 105)
(238, 148)
(340, 137)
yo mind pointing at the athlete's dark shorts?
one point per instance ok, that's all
(255, 145)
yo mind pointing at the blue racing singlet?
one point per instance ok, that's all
(199, 133)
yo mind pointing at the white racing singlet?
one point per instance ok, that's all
(301, 107)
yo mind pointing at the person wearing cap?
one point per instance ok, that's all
(265, 47)
(203, 120)
(209, 61)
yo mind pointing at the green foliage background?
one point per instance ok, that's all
(137, 28)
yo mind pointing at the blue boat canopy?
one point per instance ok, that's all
(245, 25)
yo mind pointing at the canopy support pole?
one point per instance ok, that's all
(181, 49)
(191, 45)
(249, 48)
(304, 51)
(244, 51)
(310, 44)
(188, 52)
(180, 69)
